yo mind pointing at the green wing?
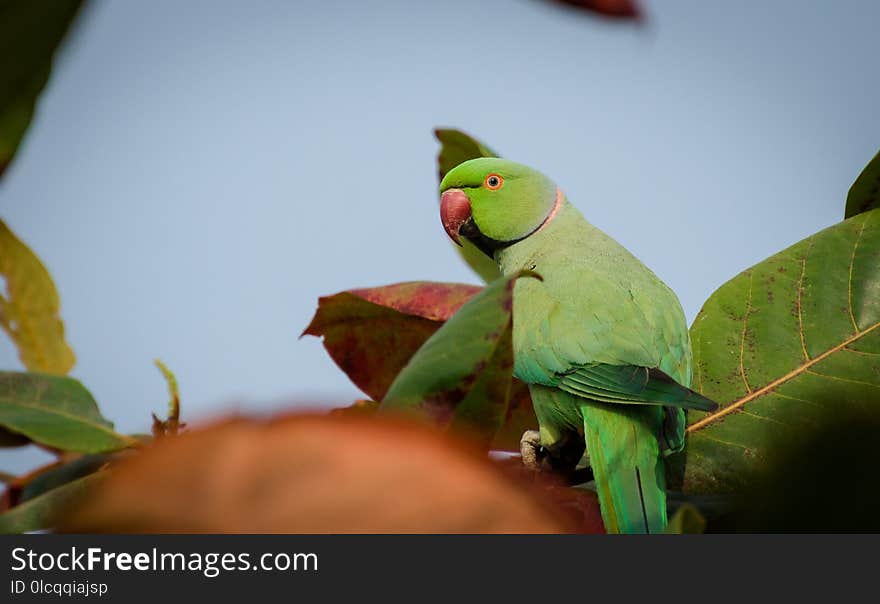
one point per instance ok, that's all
(630, 384)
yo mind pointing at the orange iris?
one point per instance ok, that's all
(493, 182)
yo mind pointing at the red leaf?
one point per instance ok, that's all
(428, 299)
(616, 9)
(371, 334)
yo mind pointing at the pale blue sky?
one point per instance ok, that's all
(200, 172)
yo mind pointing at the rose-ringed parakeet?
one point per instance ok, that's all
(600, 339)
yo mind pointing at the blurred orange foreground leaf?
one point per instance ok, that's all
(312, 474)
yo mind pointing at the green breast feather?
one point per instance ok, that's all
(597, 305)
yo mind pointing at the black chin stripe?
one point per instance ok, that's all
(485, 244)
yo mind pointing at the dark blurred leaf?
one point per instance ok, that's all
(12, 439)
(41, 512)
(779, 342)
(30, 32)
(825, 481)
(29, 309)
(582, 506)
(616, 9)
(864, 194)
(457, 147)
(62, 473)
(55, 411)
(461, 377)
(312, 474)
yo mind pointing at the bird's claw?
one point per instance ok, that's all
(531, 450)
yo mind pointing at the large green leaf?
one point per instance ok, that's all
(461, 377)
(30, 32)
(41, 512)
(864, 194)
(780, 342)
(457, 147)
(55, 411)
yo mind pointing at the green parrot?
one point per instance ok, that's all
(601, 341)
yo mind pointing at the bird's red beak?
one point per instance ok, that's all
(455, 210)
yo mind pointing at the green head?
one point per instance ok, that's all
(495, 202)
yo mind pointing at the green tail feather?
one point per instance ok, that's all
(627, 465)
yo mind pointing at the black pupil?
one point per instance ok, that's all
(493, 181)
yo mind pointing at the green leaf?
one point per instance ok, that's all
(461, 377)
(396, 320)
(41, 512)
(457, 147)
(172, 424)
(30, 33)
(864, 194)
(55, 411)
(780, 342)
(29, 310)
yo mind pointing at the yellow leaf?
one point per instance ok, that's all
(29, 308)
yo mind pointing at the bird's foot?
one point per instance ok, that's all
(531, 450)
(559, 458)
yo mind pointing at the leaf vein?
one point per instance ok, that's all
(794, 398)
(742, 344)
(800, 291)
(840, 379)
(852, 262)
(725, 442)
(864, 352)
(765, 418)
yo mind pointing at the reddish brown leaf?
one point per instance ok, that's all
(371, 334)
(460, 379)
(361, 407)
(578, 505)
(12, 494)
(428, 299)
(615, 9)
(314, 474)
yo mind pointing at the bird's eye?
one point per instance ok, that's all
(494, 182)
